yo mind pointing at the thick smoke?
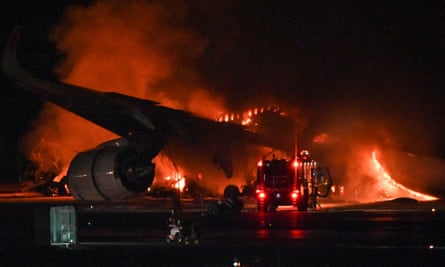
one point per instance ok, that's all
(345, 140)
(144, 49)
(139, 48)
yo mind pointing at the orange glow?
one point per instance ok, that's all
(246, 118)
(391, 187)
(180, 184)
(321, 138)
(177, 182)
(260, 163)
(295, 164)
(137, 48)
(246, 121)
(62, 174)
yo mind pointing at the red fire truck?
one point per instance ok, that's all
(297, 182)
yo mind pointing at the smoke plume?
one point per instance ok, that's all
(139, 48)
(148, 49)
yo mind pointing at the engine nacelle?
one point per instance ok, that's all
(110, 171)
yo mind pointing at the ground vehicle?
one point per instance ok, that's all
(296, 182)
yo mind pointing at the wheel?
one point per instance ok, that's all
(231, 191)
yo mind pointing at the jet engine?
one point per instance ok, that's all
(113, 170)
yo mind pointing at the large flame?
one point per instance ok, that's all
(245, 118)
(392, 189)
(143, 49)
(371, 168)
(139, 48)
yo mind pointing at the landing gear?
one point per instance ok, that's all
(230, 205)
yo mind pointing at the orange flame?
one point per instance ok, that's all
(141, 49)
(176, 182)
(391, 187)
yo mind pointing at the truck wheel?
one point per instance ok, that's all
(231, 191)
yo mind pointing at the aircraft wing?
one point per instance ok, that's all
(146, 126)
(121, 114)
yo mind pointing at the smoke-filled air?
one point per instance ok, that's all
(148, 49)
(138, 48)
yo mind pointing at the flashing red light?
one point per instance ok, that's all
(295, 164)
(295, 194)
(260, 163)
(261, 195)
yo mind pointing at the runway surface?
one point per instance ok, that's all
(400, 232)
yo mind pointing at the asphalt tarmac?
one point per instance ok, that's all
(397, 233)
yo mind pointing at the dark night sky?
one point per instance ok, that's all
(336, 60)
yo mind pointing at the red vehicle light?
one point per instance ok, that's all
(295, 194)
(261, 195)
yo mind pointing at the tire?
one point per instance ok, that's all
(231, 191)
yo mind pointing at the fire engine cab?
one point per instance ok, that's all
(296, 182)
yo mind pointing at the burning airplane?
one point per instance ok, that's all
(123, 46)
(121, 167)
(153, 133)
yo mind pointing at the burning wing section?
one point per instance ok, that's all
(115, 112)
(116, 169)
(109, 171)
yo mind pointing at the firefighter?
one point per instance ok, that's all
(305, 156)
(175, 233)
